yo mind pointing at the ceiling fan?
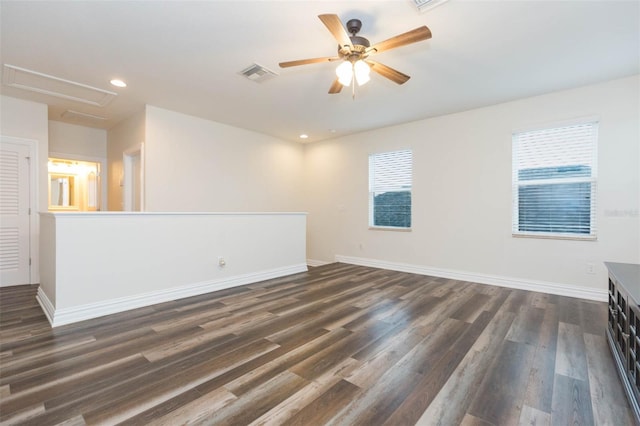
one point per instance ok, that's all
(354, 51)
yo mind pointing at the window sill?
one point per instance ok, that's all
(557, 237)
(389, 228)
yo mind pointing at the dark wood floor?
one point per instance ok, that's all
(340, 344)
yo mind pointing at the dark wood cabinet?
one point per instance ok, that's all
(623, 327)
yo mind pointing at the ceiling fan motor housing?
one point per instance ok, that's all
(359, 41)
(358, 44)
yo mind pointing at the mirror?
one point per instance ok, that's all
(62, 191)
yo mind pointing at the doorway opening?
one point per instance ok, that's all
(74, 185)
(133, 191)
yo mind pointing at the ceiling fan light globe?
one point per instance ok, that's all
(362, 80)
(344, 71)
(361, 69)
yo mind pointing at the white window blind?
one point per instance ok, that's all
(390, 180)
(554, 181)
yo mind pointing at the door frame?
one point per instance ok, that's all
(34, 191)
(127, 170)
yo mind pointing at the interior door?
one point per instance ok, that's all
(15, 210)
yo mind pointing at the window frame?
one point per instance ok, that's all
(372, 193)
(592, 180)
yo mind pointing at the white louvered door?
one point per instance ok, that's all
(14, 213)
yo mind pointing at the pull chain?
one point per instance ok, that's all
(353, 86)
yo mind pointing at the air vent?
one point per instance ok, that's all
(258, 73)
(76, 115)
(424, 5)
(22, 78)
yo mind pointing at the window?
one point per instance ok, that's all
(390, 189)
(554, 181)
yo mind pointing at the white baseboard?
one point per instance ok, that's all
(518, 283)
(312, 262)
(63, 316)
(46, 305)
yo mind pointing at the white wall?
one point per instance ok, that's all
(192, 164)
(107, 262)
(77, 140)
(29, 120)
(120, 138)
(462, 191)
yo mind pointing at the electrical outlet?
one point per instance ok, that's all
(590, 268)
(221, 262)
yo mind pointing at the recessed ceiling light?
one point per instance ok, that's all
(304, 136)
(118, 83)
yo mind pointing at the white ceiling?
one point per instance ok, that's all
(187, 56)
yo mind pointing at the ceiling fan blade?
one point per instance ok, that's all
(388, 72)
(419, 34)
(307, 61)
(334, 25)
(336, 87)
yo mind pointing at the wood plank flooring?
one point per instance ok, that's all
(338, 345)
